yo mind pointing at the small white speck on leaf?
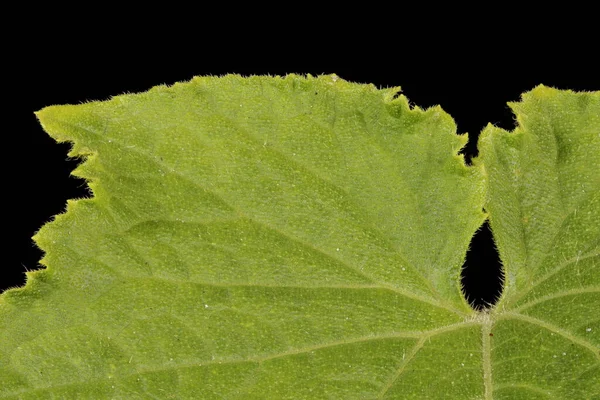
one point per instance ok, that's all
(588, 329)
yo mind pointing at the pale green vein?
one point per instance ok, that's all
(525, 386)
(376, 284)
(289, 238)
(293, 352)
(553, 272)
(560, 227)
(265, 285)
(571, 292)
(423, 335)
(295, 238)
(406, 359)
(367, 226)
(329, 286)
(427, 335)
(552, 328)
(587, 370)
(486, 353)
(157, 161)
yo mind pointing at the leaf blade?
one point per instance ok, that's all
(544, 181)
(251, 224)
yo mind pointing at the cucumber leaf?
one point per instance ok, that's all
(302, 238)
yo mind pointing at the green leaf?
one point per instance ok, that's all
(302, 238)
(544, 205)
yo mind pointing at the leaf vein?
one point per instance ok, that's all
(553, 328)
(589, 289)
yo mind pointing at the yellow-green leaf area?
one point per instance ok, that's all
(544, 203)
(302, 238)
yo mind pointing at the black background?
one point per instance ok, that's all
(472, 86)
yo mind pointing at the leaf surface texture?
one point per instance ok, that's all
(302, 238)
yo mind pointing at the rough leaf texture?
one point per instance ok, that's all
(302, 238)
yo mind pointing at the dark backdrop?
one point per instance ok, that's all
(471, 86)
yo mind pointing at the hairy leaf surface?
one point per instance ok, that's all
(302, 238)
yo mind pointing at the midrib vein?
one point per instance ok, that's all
(486, 331)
